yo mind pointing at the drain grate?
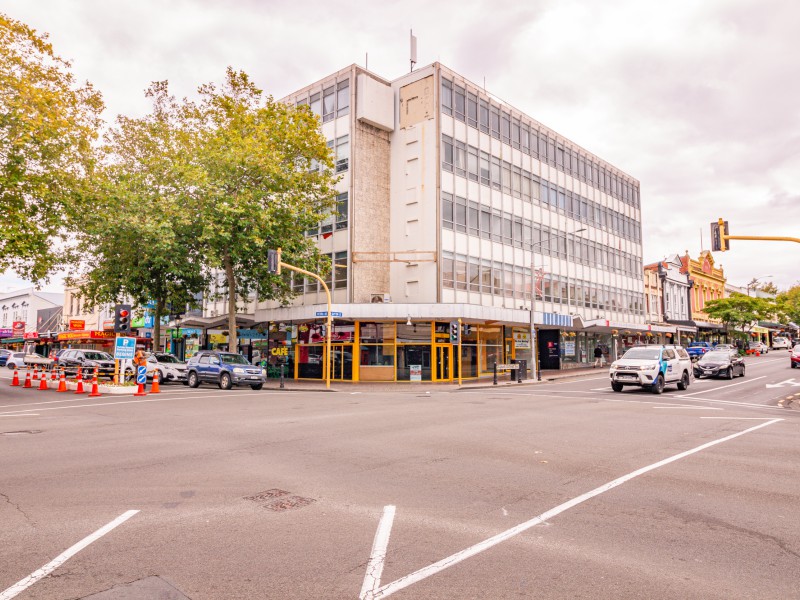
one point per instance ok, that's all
(267, 495)
(288, 503)
(24, 432)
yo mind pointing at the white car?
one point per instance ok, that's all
(652, 367)
(779, 342)
(168, 366)
(759, 347)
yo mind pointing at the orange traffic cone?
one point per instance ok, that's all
(95, 390)
(62, 382)
(79, 389)
(43, 383)
(35, 373)
(155, 388)
(54, 374)
(27, 379)
(15, 381)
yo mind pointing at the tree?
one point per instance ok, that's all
(141, 240)
(769, 288)
(47, 128)
(740, 311)
(788, 304)
(263, 175)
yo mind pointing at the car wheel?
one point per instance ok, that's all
(658, 385)
(729, 373)
(193, 381)
(794, 366)
(11, 366)
(225, 382)
(684, 382)
(617, 387)
(742, 373)
(257, 386)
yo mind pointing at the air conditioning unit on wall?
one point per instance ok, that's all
(381, 298)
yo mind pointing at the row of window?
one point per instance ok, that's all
(332, 102)
(466, 273)
(336, 279)
(469, 217)
(336, 221)
(469, 108)
(468, 161)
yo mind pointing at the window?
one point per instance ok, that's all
(447, 153)
(486, 224)
(505, 128)
(483, 115)
(342, 153)
(461, 272)
(473, 218)
(474, 275)
(461, 214)
(341, 211)
(328, 104)
(516, 134)
(486, 277)
(316, 104)
(484, 168)
(447, 210)
(496, 178)
(343, 98)
(461, 158)
(506, 177)
(340, 270)
(495, 120)
(447, 97)
(448, 272)
(472, 110)
(460, 102)
(472, 163)
(526, 139)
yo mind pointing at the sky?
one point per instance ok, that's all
(699, 101)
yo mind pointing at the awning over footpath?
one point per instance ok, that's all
(707, 325)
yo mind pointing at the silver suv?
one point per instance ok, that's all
(652, 367)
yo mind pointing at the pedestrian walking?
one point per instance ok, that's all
(598, 356)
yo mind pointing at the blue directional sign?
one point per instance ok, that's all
(141, 374)
(124, 348)
(324, 313)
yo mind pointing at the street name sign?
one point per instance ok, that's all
(324, 313)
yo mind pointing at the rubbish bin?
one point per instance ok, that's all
(521, 373)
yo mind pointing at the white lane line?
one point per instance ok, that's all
(691, 407)
(723, 387)
(59, 560)
(372, 579)
(456, 558)
(740, 418)
(22, 415)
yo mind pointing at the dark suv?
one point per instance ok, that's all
(226, 369)
(87, 360)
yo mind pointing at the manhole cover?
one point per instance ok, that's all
(25, 432)
(288, 503)
(267, 495)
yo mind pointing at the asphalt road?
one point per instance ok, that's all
(553, 490)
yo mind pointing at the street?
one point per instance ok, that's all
(561, 489)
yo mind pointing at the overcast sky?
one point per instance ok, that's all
(700, 101)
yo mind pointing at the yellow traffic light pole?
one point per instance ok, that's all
(721, 227)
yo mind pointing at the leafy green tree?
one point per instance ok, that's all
(788, 304)
(47, 128)
(739, 311)
(263, 175)
(769, 288)
(140, 239)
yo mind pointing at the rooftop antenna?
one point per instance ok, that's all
(366, 61)
(413, 49)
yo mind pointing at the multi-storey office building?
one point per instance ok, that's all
(454, 205)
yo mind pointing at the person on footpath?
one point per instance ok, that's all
(598, 356)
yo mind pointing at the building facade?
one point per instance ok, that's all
(19, 312)
(453, 205)
(707, 281)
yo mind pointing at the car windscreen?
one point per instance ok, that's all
(642, 354)
(233, 359)
(715, 356)
(97, 356)
(166, 358)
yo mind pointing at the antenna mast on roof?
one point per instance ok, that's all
(413, 49)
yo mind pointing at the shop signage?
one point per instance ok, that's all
(78, 325)
(6, 333)
(18, 328)
(569, 348)
(522, 340)
(86, 335)
(279, 352)
(416, 372)
(108, 324)
(218, 338)
(248, 334)
(30, 335)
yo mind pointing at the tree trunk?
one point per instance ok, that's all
(233, 340)
(157, 325)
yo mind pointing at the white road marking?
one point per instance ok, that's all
(22, 415)
(740, 418)
(789, 382)
(724, 387)
(458, 557)
(691, 407)
(59, 560)
(372, 579)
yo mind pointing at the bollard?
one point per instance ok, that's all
(519, 373)
(494, 381)
(281, 376)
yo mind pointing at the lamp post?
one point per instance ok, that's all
(755, 282)
(534, 340)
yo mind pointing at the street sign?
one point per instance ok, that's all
(324, 313)
(141, 374)
(124, 348)
(507, 367)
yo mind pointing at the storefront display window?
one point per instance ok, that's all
(414, 357)
(491, 346)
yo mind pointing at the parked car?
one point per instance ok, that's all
(759, 347)
(779, 343)
(697, 349)
(728, 347)
(4, 354)
(719, 363)
(168, 366)
(226, 369)
(58, 355)
(795, 356)
(15, 360)
(87, 360)
(652, 367)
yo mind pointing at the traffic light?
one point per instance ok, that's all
(274, 261)
(718, 232)
(122, 318)
(455, 332)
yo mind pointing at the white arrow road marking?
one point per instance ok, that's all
(723, 387)
(789, 382)
(691, 407)
(59, 560)
(372, 579)
(456, 558)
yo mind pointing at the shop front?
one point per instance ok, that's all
(92, 340)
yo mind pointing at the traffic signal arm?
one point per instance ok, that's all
(762, 238)
(720, 237)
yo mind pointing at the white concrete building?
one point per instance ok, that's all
(22, 306)
(455, 205)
